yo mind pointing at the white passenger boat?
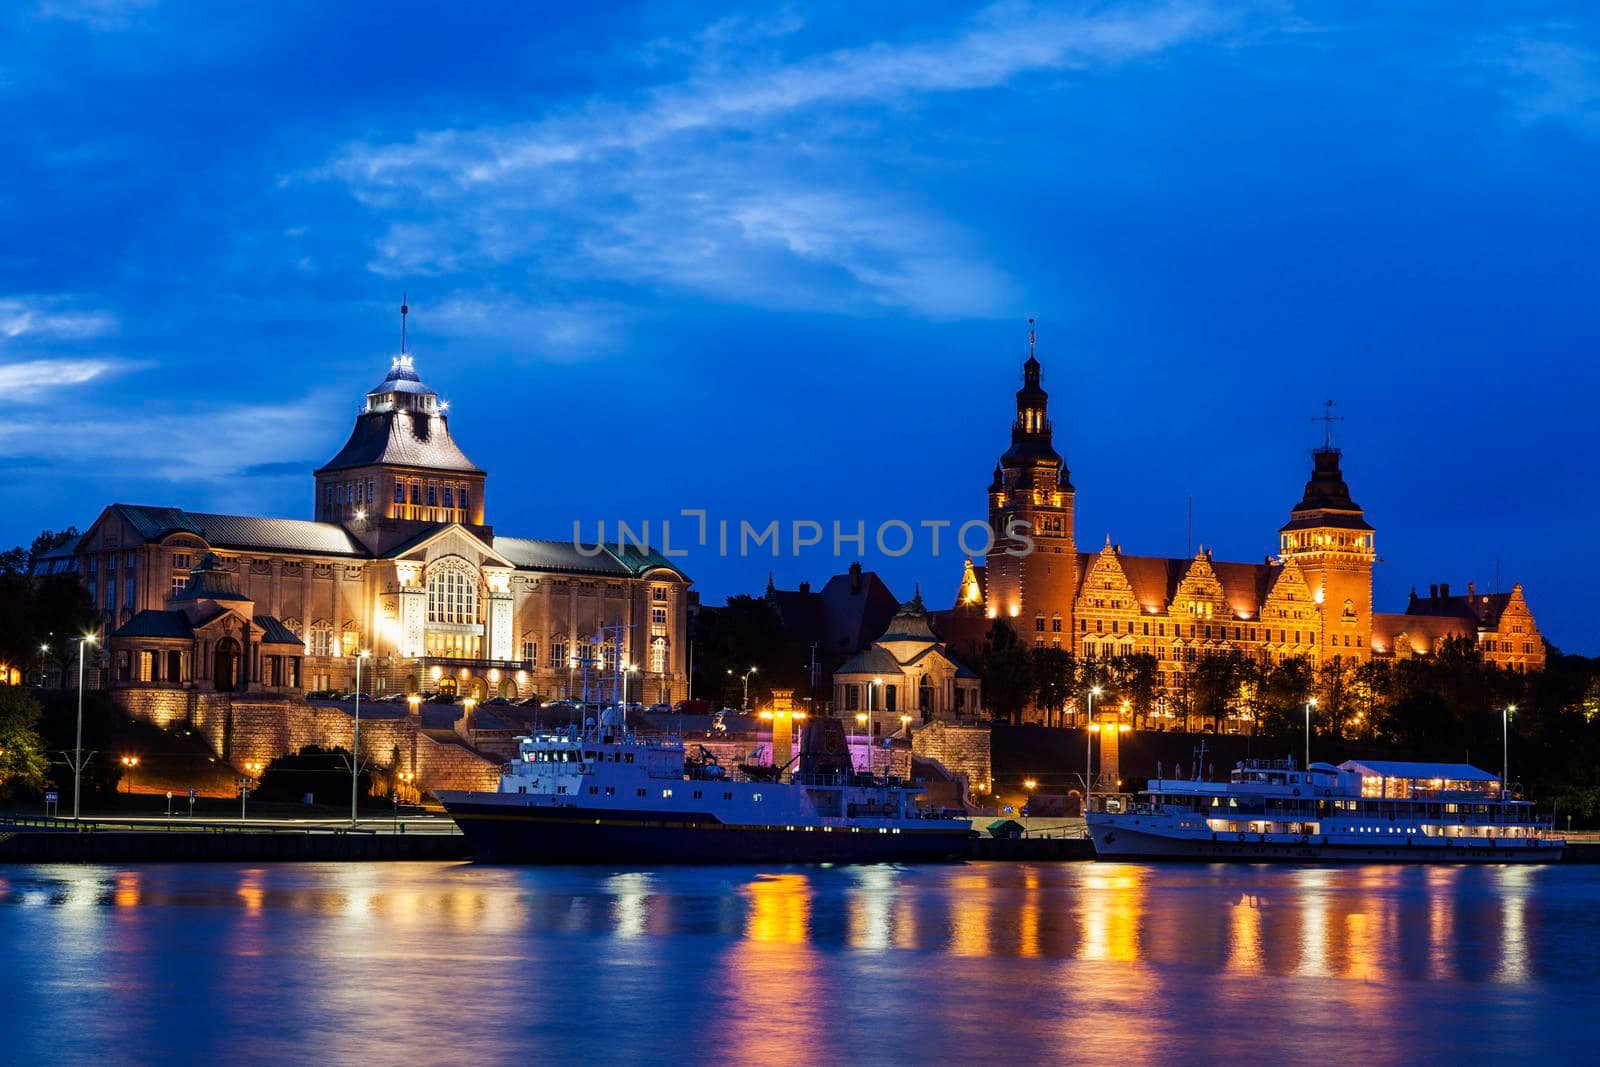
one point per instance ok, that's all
(1361, 811)
(608, 795)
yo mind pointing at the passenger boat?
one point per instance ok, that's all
(605, 794)
(1361, 811)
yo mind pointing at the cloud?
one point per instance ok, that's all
(27, 378)
(48, 319)
(732, 180)
(1550, 78)
(197, 445)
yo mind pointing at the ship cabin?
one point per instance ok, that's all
(1376, 797)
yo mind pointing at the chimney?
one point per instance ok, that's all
(1472, 588)
(1433, 592)
(805, 587)
(855, 577)
(1444, 590)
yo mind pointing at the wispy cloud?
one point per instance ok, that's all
(27, 378)
(1549, 76)
(719, 182)
(199, 446)
(51, 319)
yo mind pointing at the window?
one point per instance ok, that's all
(659, 593)
(658, 616)
(891, 698)
(658, 655)
(399, 491)
(129, 559)
(128, 593)
(94, 564)
(530, 650)
(1055, 624)
(180, 582)
(123, 670)
(372, 495)
(852, 697)
(452, 594)
(111, 592)
(449, 496)
(322, 640)
(416, 494)
(174, 672)
(463, 495)
(327, 498)
(181, 561)
(147, 666)
(433, 495)
(558, 652)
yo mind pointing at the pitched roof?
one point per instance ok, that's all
(151, 623)
(1424, 631)
(872, 661)
(401, 438)
(275, 632)
(853, 615)
(242, 531)
(1483, 608)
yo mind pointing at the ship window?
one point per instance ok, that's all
(666, 792)
(697, 794)
(727, 796)
(755, 796)
(641, 792)
(611, 791)
(594, 790)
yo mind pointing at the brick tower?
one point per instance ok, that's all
(1032, 492)
(1329, 537)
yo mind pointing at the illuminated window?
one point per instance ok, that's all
(449, 496)
(658, 616)
(558, 652)
(322, 640)
(399, 491)
(179, 584)
(658, 655)
(530, 650)
(181, 561)
(658, 593)
(452, 593)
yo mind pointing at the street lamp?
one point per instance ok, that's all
(863, 720)
(1505, 748)
(355, 744)
(632, 668)
(905, 724)
(745, 706)
(1030, 784)
(1088, 749)
(130, 762)
(1311, 703)
(77, 748)
(44, 650)
(252, 769)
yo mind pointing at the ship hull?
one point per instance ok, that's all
(508, 833)
(1122, 843)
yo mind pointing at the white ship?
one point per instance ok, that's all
(607, 795)
(1360, 811)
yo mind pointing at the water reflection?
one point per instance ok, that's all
(1133, 960)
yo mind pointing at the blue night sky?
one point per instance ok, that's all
(777, 264)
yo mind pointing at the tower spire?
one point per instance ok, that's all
(1030, 337)
(1327, 418)
(405, 309)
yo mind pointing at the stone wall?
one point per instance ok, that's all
(961, 749)
(244, 726)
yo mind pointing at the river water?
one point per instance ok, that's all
(977, 964)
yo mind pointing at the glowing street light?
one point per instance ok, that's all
(77, 748)
(1030, 784)
(252, 769)
(130, 762)
(1088, 750)
(1311, 703)
(1505, 748)
(355, 743)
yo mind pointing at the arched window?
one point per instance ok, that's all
(1350, 609)
(558, 653)
(452, 592)
(658, 655)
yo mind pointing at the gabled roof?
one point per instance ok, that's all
(1460, 772)
(247, 532)
(873, 661)
(1485, 608)
(856, 607)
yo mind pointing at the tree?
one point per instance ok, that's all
(1137, 677)
(744, 633)
(1284, 691)
(1052, 670)
(1217, 684)
(1007, 673)
(23, 764)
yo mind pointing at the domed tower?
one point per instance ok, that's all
(400, 463)
(1329, 537)
(1032, 495)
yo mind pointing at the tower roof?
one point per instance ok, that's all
(1326, 501)
(403, 425)
(208, 581)
(1030, 433)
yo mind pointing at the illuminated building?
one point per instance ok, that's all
(1312, 600)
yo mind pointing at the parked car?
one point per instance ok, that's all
(496, 702)
(366, 697)
(323, 694)
(530, 702)
(693, 707)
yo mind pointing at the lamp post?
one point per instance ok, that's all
(745, 706)
(864, 721)
(1311, 703)
(632, 668)
(44, 650)
(1088, 751)
(77, 748)
(355, 743)
(905, 724)
(252, 769)
(130, 762)
(1505, 748)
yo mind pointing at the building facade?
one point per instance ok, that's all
(1312, 599)
(399, 563)
(906, 675)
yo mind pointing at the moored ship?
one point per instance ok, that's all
(605, 794)
(1360, 811)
